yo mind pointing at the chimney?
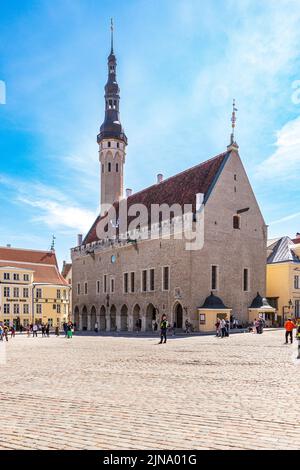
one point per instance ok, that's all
(160, 178)
(79, 239)
(128, 193)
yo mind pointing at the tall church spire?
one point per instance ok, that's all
(111, 127)
(112, 139)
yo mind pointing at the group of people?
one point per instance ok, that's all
(258, 326)
(222, 328)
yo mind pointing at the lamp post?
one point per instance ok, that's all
(290, 306)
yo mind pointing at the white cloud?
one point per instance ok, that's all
(49, 205)
(284, 163)
(286, 219)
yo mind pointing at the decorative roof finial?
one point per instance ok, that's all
(233, 122)
(112, 35)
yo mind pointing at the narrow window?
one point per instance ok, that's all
(118, 145)
(126, 283)
(132, 283)
(58, 294)
(246, 280)
(214, 278)
(202, 319)
(112, 285)
(98, 287)
(78, 289)
(166, 278)
(296, 282)
(152, 280)
(144, 281)
(236, 222)
(105, 283)
(85, 288)
(297, 308)
(109, 168)
(117, 167)
(102, 168)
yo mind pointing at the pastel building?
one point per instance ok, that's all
(32, 289)
(283, 277)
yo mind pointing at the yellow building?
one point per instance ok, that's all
(32, 290)
(67, 275)
(283, 277)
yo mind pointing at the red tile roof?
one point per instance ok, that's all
(28, 256)
(43, 263)
(179, 189)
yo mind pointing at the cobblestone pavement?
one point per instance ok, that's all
(130, 393)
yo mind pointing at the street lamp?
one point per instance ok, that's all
(290, 306)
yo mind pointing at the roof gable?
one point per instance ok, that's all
(283, 252)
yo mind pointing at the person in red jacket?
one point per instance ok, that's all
(289, 327)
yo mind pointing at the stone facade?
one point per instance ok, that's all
(230, 250)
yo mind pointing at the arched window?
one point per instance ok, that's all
(236, 222)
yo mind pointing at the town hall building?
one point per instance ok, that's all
(124, 279)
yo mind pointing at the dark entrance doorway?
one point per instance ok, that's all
(179, 316)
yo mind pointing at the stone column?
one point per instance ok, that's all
(118, 321)
(130, 322)
(144, 322)
(80, 322)
(89, 322)
(98, 321)
(107, 322)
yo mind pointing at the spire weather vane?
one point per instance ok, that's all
(53, 243)
(233, 120)
(112, 34)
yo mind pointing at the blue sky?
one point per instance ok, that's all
(180, 63)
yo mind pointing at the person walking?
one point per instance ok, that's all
(57, 330)
(289, 327)
(5, 332)
(70, 331)
(218, 328)
(47, 330)
(163, 329)
(223, 328)
(227, 326)
(1, 333)
(35, 331)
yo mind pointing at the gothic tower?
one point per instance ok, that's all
(112, 139)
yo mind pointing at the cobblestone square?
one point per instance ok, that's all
(131, 393)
